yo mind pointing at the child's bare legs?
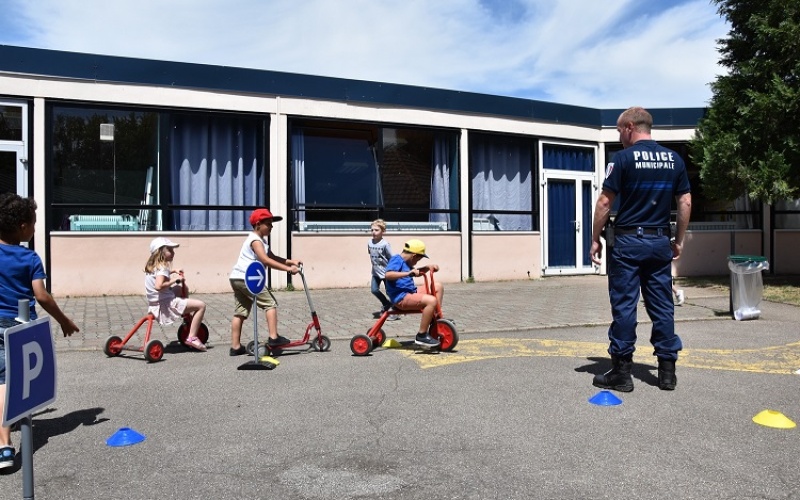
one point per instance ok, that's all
(272, 322)
(438, 290)
(5, 435)
(428, 310)
(429, 307)
(236, 332)
(198, 310)
(5, 432)
(272, 326)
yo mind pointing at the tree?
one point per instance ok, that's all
(749, 141)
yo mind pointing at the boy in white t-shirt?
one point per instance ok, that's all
(256, 248)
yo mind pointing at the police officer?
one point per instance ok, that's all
(644, 177)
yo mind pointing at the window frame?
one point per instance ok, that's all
(399, 216)
(161, 207)
(534, 212)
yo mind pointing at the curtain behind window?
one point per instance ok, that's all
(299, 174)
(501, 180)
(444, 181)
(215, 161)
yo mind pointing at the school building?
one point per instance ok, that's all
(118, 150)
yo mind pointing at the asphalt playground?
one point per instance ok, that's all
(505, 416)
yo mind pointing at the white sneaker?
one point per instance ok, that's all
(680, 297)
(393, 317)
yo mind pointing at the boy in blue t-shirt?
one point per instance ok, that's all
(403, 292)
(22, 277)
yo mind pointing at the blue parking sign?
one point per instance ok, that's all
(30, 369)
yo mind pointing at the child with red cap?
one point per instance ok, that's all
(256, 248)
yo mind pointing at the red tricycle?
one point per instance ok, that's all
(153, 349)
(444, 330)
(319, 342)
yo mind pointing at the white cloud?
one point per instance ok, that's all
(583, 52)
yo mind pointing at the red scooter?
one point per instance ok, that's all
(318, 342)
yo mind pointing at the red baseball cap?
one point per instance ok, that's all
(260, 214)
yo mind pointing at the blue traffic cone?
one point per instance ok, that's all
(125, 436)
(605, 398)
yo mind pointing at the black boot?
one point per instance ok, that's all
(666, 375)
(618, 378)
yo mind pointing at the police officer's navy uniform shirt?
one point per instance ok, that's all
(646, 177)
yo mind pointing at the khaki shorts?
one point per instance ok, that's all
(243, 299)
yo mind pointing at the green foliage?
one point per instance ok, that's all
(748, 141)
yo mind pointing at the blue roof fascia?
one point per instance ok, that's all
(662, 117)
(103, 68)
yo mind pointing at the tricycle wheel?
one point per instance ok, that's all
(379, 339)
(153, 351)
(361, 345)
(321, 344)
(202, 333)
(183, 333)
(113, 346)
(250, 346)
(446, 333)
(264, 350)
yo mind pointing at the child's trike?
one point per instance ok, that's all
(153, 349)
(444, 330)
(319, 342)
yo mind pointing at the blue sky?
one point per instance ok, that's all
(603, 54)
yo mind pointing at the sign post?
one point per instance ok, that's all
(255, 278)
(30, 381)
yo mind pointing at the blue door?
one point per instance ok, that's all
(569, 183)
(561, 223)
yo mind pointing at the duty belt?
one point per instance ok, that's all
(641, 231)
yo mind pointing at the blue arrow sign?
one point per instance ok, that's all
(30, 369)
(255, 277)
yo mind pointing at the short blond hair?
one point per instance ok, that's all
(641, 119)
(380, 223)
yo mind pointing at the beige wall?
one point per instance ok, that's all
(705, 253)
(506, 256)
(787, 253)
(113, 264)
(342, 260)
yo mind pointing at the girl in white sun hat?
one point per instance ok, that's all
(161, 299)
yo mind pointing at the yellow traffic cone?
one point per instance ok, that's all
(391, 343)
(269, 359)
(773, 418)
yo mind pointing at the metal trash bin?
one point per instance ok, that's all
(747, 285)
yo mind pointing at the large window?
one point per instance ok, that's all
(118, 169)
(503, 189)
(344, 175)
(787, 214)
(216, 168)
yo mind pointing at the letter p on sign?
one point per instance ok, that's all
(32, 359)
